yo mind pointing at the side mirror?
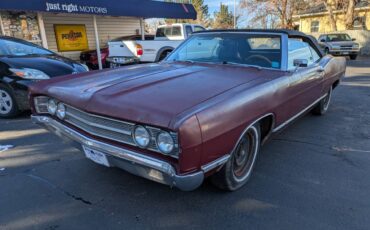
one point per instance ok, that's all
(353, 39)
(300, 62)
(322, 40)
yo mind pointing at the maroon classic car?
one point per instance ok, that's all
(202, 112)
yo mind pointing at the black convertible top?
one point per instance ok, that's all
(291, 33)
(280, 31)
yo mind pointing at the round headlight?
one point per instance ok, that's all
(165, 142)
(141, 136)
(61, 111)
(52, 106)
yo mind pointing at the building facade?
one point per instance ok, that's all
(316, 19)
(26, 26)
(71, 26)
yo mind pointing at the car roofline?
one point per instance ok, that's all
(277, 31)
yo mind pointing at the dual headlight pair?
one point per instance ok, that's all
(164, 140)
(55, 108)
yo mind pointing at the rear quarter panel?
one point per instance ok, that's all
(335, 68)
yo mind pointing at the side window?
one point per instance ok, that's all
(176, 31)
(322, 38)
(315, 55)
(188, 30)
(298, 49)
(198, 28)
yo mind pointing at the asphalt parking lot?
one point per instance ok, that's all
(313, 175)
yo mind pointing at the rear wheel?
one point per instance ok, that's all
(353, 57)
(8, 104)
(238, 170)
(163, 55)
(323, 106)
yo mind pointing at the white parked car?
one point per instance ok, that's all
(167, 38)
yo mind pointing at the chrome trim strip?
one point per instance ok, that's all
(143, 165)
(214, 164)
(298, 114)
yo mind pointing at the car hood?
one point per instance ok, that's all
(52, 65)
(151, 94)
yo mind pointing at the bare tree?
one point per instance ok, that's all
(350, 14)
(283, 10)
(345, 7)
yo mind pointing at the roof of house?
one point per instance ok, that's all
(320, 8)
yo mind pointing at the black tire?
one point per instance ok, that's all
(8, 104)
(238, 170)
(323, 106)
(326, 50)
(163, 55)
(353, 57)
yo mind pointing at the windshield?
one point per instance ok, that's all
(339, 37)
(12, 48)
(231, 48)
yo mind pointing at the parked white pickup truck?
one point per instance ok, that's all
(167, 38)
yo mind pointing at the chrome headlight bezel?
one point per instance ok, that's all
(145, 136)
(52, 106)
(165, 142)
(61, 111)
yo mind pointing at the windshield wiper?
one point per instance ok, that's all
(240, 64)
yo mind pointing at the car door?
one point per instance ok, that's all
(305, 83)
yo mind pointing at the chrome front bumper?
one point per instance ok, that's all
(133, 162)
(344, 52)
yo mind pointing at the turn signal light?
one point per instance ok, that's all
(139, 50)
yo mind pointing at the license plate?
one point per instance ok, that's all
(345, 53)
(114, 65)
(96, 156)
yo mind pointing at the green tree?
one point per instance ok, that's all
(223, 19)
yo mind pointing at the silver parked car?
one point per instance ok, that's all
(339, 44)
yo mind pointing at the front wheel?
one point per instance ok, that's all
(353, 57)
(323, 106)
(8, 105)
(238, 170)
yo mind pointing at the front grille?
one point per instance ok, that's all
(112, 129)
(346, 47)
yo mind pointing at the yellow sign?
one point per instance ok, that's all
(71, 37)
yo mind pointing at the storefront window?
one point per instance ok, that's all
(21, 25)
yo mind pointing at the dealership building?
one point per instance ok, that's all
(71, 26)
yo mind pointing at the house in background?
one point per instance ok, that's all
(316, 19)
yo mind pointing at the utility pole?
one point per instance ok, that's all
(234, 14)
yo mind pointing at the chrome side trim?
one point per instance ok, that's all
(131, 161)
(214, 164)
(298, 114)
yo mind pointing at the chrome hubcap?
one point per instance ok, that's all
(245, 155)
(6, 102)
(327, 100)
